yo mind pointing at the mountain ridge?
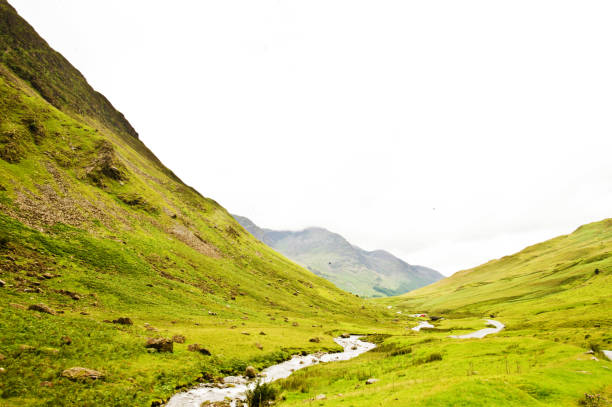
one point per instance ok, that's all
(328, 254)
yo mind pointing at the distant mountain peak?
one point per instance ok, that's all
(367, 273)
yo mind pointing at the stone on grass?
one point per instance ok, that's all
(371, 381)
(345, 335)
(123, 321)
(82, 373)
(320, 397)
(314, 340)
(71, 294)
(178, 338)
(160, 344)
(41, 308)
(195, 347)
(250, 372)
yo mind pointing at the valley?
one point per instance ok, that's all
(120, 285)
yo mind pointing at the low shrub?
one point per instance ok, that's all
(263, 394)
(433, 357)
(593, 400)
(428, 359)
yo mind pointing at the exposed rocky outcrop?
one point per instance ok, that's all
(160, 344)
(82, 373)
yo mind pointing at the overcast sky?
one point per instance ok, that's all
(446, 132)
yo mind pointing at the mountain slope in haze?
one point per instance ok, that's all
(94, 228)
(371, 274)
(555, 299)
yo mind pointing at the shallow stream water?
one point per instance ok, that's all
(421, 325)
(234, 387)
(483, 332)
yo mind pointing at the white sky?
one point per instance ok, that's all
(364, 116)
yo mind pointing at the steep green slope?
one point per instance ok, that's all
(371, 274)
(94, 227)
(555, 300)
(51, 75)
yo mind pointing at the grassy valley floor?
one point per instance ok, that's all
(555, 300)
(516, 367)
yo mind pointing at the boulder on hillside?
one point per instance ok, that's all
(160, 344)
(123, 321)
(195, 347)
(71, 294)
(82, 373)
(314, 340)
(250, 372)
(371, 381)
(345, 335)
(42, 308)
(178, 339)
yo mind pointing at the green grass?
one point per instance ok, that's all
(554, 304)
(429, 369)
(84, 202)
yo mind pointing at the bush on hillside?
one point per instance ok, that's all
(433, 357)
(263, 394)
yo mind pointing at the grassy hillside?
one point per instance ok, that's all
(555, 299)
(370, 274)
(563, 282)
(102, 248)
(95, 228)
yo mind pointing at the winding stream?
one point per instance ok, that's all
(421, 325)
(233, 387)
(483, 332)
